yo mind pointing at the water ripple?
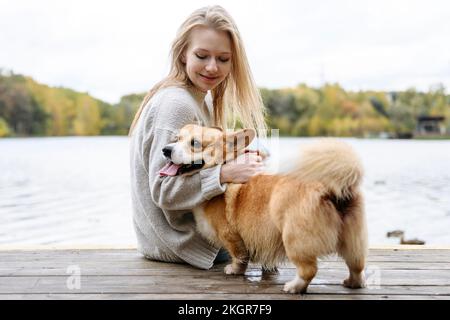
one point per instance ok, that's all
(76, 190)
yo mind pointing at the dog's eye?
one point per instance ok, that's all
(195, 143)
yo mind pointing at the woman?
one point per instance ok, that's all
(206, 56)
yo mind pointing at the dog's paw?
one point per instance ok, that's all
(295, 286)
(231, 269)
(353, 283)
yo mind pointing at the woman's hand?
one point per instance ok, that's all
(241, 169)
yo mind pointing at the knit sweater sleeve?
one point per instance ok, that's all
(178, 192)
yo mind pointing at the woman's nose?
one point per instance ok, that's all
(211, 66)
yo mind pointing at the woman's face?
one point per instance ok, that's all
(208, 57)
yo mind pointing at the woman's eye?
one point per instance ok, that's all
(200, 56)
(224, 59)
(195, 143)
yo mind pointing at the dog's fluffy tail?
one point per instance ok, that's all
(332, 163)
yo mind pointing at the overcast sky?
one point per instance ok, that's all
(115, 47)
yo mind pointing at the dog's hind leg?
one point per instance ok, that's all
(308, 232)
(306, 271)
(355, 260)
(305, 262)
(353, 243)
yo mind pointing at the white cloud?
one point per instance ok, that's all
(112, 48)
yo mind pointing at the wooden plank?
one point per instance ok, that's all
(372, 252)
(120, 252)
(198, 285)
(5, 247)
(123, 273)
(95, 247)
(6, 250)
(410, 247)
(25, 267)
(133, 253)
(127, 269)
(326, 275)
(36, 256)
(322, 278)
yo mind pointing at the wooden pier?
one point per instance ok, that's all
(403, 272)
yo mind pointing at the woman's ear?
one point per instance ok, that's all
(183, 58)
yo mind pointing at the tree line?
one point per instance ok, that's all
(332, 111)
(28, 108)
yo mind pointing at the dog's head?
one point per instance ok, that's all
(197, 147)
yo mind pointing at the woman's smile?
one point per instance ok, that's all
(208, 78)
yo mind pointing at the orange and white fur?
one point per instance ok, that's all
(315, 210)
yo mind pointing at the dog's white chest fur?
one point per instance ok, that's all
(204, 227)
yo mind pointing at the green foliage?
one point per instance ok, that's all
(28, 108)
(19, 108)
(332, 111)
(4, 130)
(125, 111)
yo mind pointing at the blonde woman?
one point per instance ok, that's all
(209, 83)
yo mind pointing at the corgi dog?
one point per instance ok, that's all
(315, 210)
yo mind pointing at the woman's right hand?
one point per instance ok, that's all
(241, 169)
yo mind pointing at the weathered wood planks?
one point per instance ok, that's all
(393, 273)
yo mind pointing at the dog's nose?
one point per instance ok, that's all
(167, 152)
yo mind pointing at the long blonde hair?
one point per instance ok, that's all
(235, 98)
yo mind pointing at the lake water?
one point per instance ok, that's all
(75, 190)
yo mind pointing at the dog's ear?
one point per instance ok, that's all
(239, 140)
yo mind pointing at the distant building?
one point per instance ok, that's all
(430, 125)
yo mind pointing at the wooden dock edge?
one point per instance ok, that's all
(120, 272)
(133, 247)
(65, 247)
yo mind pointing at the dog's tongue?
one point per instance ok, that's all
(169, 169)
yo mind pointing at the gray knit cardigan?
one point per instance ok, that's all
(162, 206)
